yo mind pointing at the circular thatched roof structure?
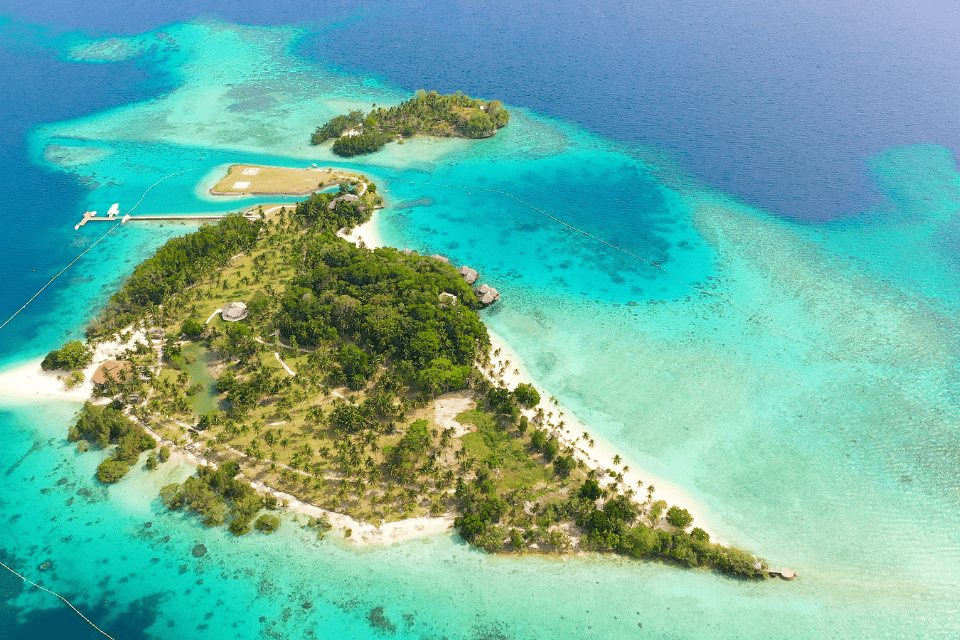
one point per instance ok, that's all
(234, 311)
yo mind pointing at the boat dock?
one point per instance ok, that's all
(113, 216)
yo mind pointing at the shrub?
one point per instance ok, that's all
(111, 470)
(267, 523)
(590, 490)
(526, 395)
(680, 518)
(563, 465)
(192, 328)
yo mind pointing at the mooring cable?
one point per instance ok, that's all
(111, 230)
(54, 593)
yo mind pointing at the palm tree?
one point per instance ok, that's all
(616, 460)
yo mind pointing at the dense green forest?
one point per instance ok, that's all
(426, 113)
(178, 264)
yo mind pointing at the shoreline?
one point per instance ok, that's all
(27, 381)
(603, 451)
(367, 234)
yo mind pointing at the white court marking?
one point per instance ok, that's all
(241, 185)
(251, 171)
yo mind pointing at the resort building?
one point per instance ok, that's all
(234, 311)
(487, 294)
(112, 371)
(468, 274)
(347, 197)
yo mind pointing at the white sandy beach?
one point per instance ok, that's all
(367, 234)
(602, 453)
(28, 381)
(364, 532)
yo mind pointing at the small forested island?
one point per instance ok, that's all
(293, 361)
(427, 113)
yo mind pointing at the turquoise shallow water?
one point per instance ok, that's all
(811, 409)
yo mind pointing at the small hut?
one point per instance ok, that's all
(469, 274)
(487, 294)
(347, 197)
(234, 311)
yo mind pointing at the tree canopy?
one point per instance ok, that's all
(73, 355)
(426, 113)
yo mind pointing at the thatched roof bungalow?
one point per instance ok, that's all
(468, 274)
(487, 294)
(347, 197)
(112, 371)
(234, 311)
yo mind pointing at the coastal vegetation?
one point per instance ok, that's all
(105, 426)
(70, 357)
(329, 389)
(429, 113)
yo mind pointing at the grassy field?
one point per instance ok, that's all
(261, 180)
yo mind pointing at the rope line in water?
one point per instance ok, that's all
(54, 593)
(746, 312)
(60, 273)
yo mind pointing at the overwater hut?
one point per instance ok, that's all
(487, 294)
(439, 257)
(347, 197)
(234, 311)
(112, 370)
(468, 274)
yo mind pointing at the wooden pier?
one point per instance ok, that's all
(91, 216)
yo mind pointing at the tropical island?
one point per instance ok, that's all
(427, 113)
(299, 368)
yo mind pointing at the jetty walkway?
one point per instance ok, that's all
(91, 216)
(112, 216)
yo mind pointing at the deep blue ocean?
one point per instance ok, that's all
(796, 164)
